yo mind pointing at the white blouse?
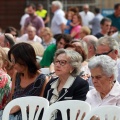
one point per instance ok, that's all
(112, 98)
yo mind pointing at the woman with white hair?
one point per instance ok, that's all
(107, 89)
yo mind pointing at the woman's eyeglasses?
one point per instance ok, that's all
(61, 62)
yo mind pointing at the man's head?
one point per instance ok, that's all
(97, 10)
(105, 25)
(117, 9)
(91, 44)
(56, 5)
(31, 9)
(107, 46)
(7, 40)
(86, 8)
(31, 31)
(62, 40)
(12, 31)
(40, 6)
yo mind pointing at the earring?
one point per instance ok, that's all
(70, 71)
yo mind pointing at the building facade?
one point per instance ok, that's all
(12, 10)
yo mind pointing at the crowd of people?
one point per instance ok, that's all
(80, 48)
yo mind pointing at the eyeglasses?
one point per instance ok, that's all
(45, 35)
(61, 62)
(105, 53)
(112, 31)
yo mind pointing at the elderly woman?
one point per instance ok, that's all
(68, 85)
(47, 38)
(107, 89)
(81, 47)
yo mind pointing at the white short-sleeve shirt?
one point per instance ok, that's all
(86, 18)
(25, 38)
(57, 20)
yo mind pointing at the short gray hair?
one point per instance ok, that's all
(58, 4)
(74, 59)
(110, 42)
(108, 65)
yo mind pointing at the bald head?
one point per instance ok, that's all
(89, 38)
(91, 43)
(31, 28)
(31, 31)
(7, 40)
(86, 7)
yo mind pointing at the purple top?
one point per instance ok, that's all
(35, 21)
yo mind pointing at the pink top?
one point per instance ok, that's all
(76, 29)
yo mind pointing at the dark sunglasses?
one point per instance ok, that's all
(112, 31)
(105, 53)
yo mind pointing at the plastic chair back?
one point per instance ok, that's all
(73, 105)
(107, 112)
(32, 103)
(45, 71)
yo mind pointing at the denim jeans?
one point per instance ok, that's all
(12, 117)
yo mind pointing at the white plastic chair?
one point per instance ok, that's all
(45, 71)
(63, 106)
(108, 112)
(30, 101)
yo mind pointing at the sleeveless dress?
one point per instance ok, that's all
(32, 89)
